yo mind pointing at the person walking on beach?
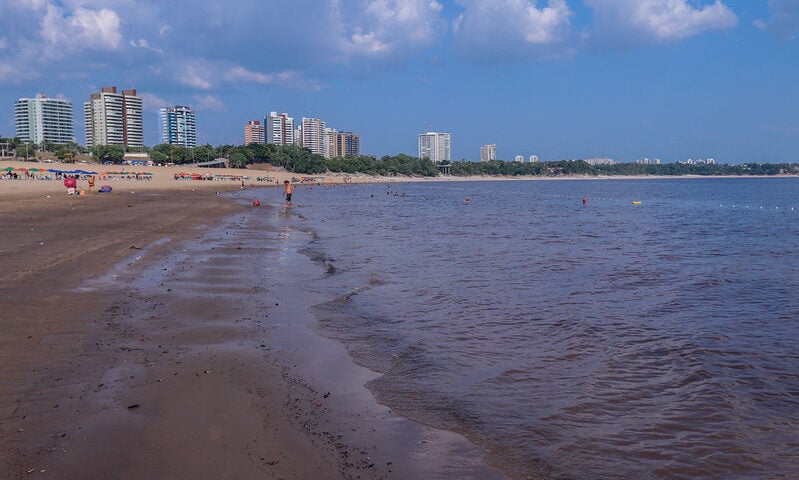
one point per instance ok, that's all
(288, 189)
(90, 178)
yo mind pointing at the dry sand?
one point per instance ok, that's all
(180, 380)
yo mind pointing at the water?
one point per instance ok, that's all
(572, 341)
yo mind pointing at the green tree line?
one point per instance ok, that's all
(301, 160)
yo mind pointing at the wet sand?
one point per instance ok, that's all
(137, 341)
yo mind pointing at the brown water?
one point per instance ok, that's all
(608, 340)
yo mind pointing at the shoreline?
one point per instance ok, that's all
(125, 359)
(163, 179)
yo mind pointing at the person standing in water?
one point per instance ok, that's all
(288, 189)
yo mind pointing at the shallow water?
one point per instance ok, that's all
(606, 340)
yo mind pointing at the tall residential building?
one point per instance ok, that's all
(178, 126)
(488, 152)
(313, 135)
(114, 118)
(254, 132)
(347, 144)
(330, 142)
(435, 146)
(279, 129)
(42, 119)
(533, 158)
(520, 158)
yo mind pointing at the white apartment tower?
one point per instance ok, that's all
(279, 129)
(114, 118)
(42, 119)
(313, 135)
(435, 146)
(488, 152)
(178, 126)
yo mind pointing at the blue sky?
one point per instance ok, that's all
(561, 79)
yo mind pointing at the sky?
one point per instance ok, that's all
(560, 79)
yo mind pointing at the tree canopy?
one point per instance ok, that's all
(301, 160)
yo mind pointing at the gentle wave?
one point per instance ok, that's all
(597, 341)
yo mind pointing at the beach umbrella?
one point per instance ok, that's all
(8, 169)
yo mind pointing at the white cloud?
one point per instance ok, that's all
(208, 103)
(10, 74)
(384, 28)
(152, 103)
(197, 74)
(498, 29)
(143, 43)
(82, 29)
(783, 19)
(661, 21)
(239, 73)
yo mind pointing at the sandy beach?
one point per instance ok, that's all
(137, 344)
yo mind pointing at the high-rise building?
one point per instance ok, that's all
(113, 118)
(279, 129)
(178, 126)
(254, 132)
(488, 152)
(347, 144)
(42, 119)
(330, 142)
(313, 135)
(533, 158)
(520, 158)
(435, 146)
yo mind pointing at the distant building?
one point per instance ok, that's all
(600, 161)
(435, 146)
(488, 152)
(42, 119)
(178, 126)
(520, 158)
(648, 161)
(254, 132)
(313, 135)
(347, 144)
(114, 118)
(279, 129)
(533, 158)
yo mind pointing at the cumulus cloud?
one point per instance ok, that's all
(381, 28)
(514, 29)
(783, 19)
(81, 29)
(660, 21)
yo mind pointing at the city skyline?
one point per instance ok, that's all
(566, 79)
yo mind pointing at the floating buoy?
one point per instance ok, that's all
(256, 203)
(466, 201)
(636, 203)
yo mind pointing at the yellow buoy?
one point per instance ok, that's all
(636, 203)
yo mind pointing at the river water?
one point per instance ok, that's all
(576, 341)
